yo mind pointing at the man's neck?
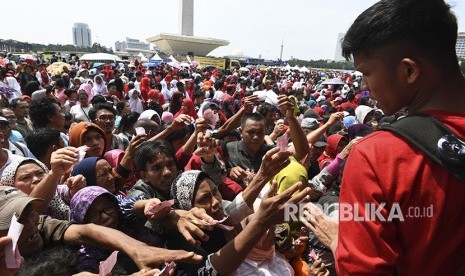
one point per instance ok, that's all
(447, 95)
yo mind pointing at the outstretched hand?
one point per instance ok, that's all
(272, 209)
(325, 229)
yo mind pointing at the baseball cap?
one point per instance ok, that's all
(310, 123)
(12, 201)
(310, 113)
(320, 144)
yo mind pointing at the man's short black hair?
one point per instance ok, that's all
(428, 26)
(256, 117)
(98, 99)
(14, 102)
(265, 108)
(148, 150)
(93, 111)
(40, 110)
(40, 140)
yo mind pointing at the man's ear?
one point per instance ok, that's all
(410, 70)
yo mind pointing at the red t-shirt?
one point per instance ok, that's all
(383, 168)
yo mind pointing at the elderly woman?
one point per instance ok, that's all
(33, 178)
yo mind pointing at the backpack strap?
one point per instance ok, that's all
(427, 133)
(20, 148)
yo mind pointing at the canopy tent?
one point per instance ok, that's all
(142, 57)
(333, 81)
(173, 59)
(156, 58)
(304, 69)
(102, 57)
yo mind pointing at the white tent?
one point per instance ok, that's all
(288, 68)
(156, 57)
(304, 69)
(142, 57)
(173, 59)
(102, 57)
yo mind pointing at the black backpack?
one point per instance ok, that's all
(435, 140)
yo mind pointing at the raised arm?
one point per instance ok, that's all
(315, 135)
(301, 146)
(235, 120)
(60, 162)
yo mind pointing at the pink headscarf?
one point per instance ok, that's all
(88, 88)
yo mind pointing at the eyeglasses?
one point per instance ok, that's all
(106, 118)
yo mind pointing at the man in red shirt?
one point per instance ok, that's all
(406, 52)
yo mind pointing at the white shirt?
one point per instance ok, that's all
(11, 158)
(80, 113)
(19, 149)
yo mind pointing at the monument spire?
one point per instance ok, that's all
(186, 17)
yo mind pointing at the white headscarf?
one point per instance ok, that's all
(99, 89)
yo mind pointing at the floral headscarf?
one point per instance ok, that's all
(184, 187)
(82, 200)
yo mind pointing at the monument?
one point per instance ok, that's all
(186, 43)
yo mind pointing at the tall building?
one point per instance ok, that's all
(460, 45)
(338, 55)
(131, 43)
(82, 35)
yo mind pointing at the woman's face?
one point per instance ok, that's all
(95, 141)
(209, 198)
(104, 176)
(103, 211)
(126, 109)
(27, 176)
(98, 80)
(83, 99)
(184, 107)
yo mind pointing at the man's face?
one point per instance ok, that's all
(10, 116)
(105, 120)
(379, 77)
(58, 119)
(21, 110)
(160, 172)
(5, 132)
(271, 117)
(253, 134)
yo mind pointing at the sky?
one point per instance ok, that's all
(308, 29)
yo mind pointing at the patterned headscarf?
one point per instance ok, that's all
(9, 174)
(82, 200)
(184, 186)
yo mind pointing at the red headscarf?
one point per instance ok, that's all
(155, 95)
(331, 150)
(189, 105)
(145, 87)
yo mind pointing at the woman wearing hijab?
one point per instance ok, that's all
(187, 107)
(336, 144)
(99, 87)
(176, 102)
(145, 87)
(97, 172)
(88, 88)
(28, 175)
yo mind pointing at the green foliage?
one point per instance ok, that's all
(328, 64)
(96, 48)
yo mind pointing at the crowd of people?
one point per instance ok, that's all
(198, 167)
